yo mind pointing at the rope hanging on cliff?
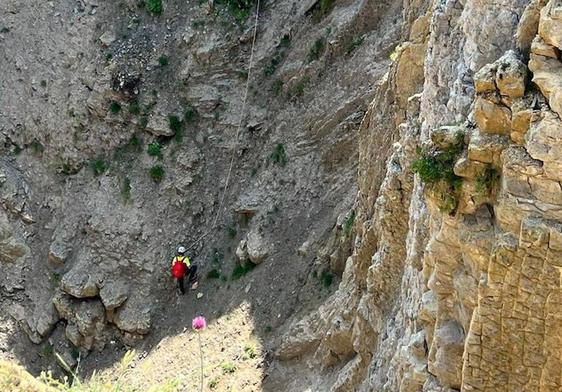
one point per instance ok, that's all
(238, 128)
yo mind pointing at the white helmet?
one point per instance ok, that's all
(181, 249)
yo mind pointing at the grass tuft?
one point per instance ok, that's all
(157, 173)
(317, 49)
(114, 107)
(487, 180)
(99, 166)
(154, 150)
(279, 155)
(228, 367)
(327, 278)
(154, 6)
(240, 271)
(348, 225)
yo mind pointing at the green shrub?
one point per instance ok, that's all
(213, 383)
(135, 143)
(327, 278)
(37, 147)
(348, 225)
(326, 6)
(435, 167)
(285, 41)
(217, 257)
(268, 328)
(43, 83)
(154, 150)
(134, 107)
(270, 68)
(99, 166)
(239, 271)
(143, 122)
(317, 49)
(487, 180)
(154, 6)
(239, 9)
(114, 107)
(157, 173)
(175, 123)
(47, 350)
(448, 202)
(354, 44)
(190, 114)
(126, 189)
(279, 155)
(228, 367)
(163, 61)
(250, 352)
(213, 274)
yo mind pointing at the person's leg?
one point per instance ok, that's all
(180, 284)
(193, 273)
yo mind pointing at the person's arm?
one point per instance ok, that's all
(187, 262)
(173, 261)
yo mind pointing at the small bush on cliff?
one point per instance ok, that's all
(99, 166)
(435, 165)
(487, 180)
(157, 173)
(154, 6)
(279, 155)
(435, 168)
(239, 9)
(154, 150)
(348, 225)
(317, 49)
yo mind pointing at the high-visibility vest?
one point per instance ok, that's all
(181, 259)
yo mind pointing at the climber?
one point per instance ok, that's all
(181, 266)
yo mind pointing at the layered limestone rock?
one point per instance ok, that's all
(468, 299)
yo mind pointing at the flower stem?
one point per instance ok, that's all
(201, 356)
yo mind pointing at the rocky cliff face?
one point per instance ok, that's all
(450, 255)
(454, 281)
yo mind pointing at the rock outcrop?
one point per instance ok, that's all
(467, 297)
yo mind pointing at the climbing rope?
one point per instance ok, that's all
(238, 128)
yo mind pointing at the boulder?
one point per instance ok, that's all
(11, 249)
(511, 76)
(114, 294)
(58, 253)
(158, 125)
(550, 24)
(80, 283)
(541, 48)
(544, 139)
(485, 79)
(549, 81)
(487, 148)
(492, 117)
(258, 249)
(134, 315)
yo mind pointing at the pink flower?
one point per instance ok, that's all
(199, 323)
